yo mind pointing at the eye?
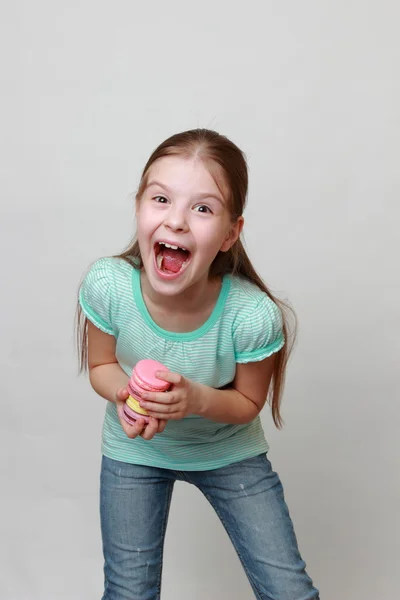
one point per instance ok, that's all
(160, 199)
(202, 208)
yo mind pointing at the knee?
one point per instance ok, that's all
(137, 577)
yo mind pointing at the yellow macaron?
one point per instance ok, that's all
(134, 405)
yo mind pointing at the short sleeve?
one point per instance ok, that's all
(95, 295)
(260, 333)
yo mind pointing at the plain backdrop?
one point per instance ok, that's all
(310, 91)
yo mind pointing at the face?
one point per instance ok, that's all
(182, 207)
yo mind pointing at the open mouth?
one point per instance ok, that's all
(170, 259)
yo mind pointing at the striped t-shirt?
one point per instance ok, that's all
(245, 326)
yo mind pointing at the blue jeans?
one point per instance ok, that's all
(248, 498)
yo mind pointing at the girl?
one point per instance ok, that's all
(186, 294)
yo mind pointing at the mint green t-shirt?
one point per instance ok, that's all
(245, 326)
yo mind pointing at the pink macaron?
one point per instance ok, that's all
(143, 379)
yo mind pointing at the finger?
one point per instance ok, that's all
(164, 416)
(170, 377)
(159, 397)
(154, 407)
(162, 423)
(150, 430)
(136, 429)
(131, 431)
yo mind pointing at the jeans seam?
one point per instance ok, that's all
(252, 583)
(164, 527)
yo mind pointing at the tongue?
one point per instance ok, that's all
(173, 259)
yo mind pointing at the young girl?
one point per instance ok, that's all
(186, 294)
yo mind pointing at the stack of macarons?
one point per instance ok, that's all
(143, 380)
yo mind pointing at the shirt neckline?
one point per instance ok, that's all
(173, 335)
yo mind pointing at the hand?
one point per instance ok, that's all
(182, 398)
(146, 430)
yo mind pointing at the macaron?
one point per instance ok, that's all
(143, 379)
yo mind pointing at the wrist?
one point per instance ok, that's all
(200, 398)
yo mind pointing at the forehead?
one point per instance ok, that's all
(188, 175)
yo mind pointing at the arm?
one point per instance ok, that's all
(244, 400)
(105, 374)
(110, 381)
(240, 403)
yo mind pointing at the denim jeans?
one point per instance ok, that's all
(249, 500)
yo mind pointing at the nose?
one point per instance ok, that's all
(176, 219)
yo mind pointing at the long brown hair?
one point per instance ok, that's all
(215, 150)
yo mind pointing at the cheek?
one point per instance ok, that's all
(144, 219)
(211, 238)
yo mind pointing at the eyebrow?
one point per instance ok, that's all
(200, 196)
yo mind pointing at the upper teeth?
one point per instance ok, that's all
(171, 246)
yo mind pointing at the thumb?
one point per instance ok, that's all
(122, 394)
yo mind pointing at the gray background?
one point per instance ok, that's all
(310, 91)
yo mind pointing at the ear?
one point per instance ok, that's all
(233, 235)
